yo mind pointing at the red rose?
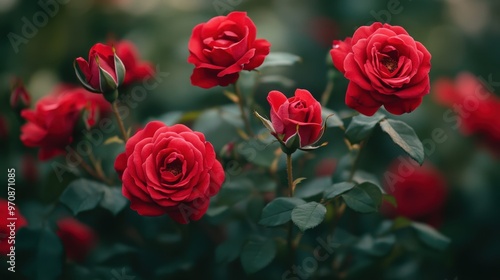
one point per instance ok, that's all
(136, 70)
(104, 71)
(385, 66)
(4, 230)
(301, 112)
(420, 193)
(224, 46)
(169, 169)
(476, 107)
(51, 125)
(77, 238)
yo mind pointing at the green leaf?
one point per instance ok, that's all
(228, 250)
(332, 118)
(312, 188)
(267, 123)
(257, 254)
(404, 136)
(361, 127)
(337, 189)
(308, 215)
(430, 236)
(40, 253)
(113, 200)
(279, 211)
(364, 198)
(82, 195)
(279, 59)
(119, 70)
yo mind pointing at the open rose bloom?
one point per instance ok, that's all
(169, 170)
(385, 66)
(223, 47)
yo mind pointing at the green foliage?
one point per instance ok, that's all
(308, 215)
(257, 254)
(83, 195)
(279, 211)
(361, 127)
(41, 253)
(404, 136)
(279, 59)
(337, 189)
(363, 198)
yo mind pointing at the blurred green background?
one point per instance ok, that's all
(461, 35)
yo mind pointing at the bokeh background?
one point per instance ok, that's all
(461, 35)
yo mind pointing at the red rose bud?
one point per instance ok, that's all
(5, 230)
(385, 66)
(169, 170)
(223, 47)
(103, 73)
(136, 70)
(51, 125)
(296, 122)
(420, 191)
(77, 238)
(20, 97)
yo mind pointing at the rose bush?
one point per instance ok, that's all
(51, 125)
(384, 66)
(169, 170)
(224, 46)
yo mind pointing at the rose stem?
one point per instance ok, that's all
(120, 121)
(328, 91)
(290, 194)
(241, 105)
(98, 169)
(88, 168)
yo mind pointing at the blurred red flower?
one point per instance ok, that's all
(476, 108)
(420, 192)
(77, 238)
(136, 70)
(385, 66)
(224, 46)
(50, 126)
(4, 230)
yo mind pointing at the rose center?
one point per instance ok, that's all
(390, 63)
(174, 167)
(299, 105)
